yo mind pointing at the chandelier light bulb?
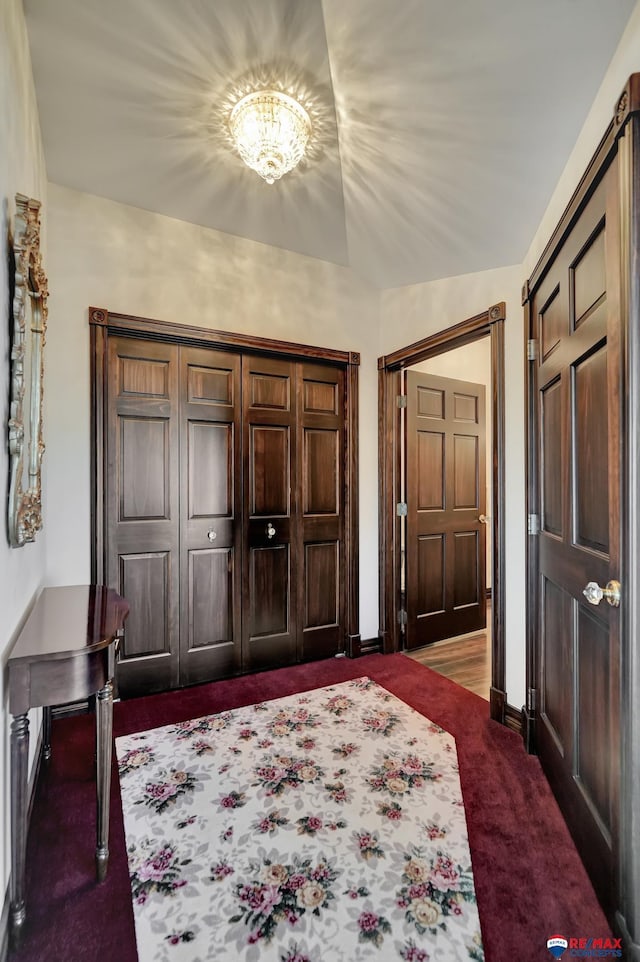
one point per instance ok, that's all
(271, 131)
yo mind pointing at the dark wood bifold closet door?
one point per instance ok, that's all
(577, 329)
(210, 514)
(142, 506)
(270, 525)
(446, 502)
(224, 510)
(321, 598)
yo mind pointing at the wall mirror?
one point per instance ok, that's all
(28, 327)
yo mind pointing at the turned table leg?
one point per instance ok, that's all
(104, 729)
(19, 758)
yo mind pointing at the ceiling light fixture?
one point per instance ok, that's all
(271, 131)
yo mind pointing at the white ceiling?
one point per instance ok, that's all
(441, 127)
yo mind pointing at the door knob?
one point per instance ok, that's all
(482, 518)
(270, 530)
(594, 593)
(211, 535)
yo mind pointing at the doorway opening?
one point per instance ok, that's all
(446, 536)
(441, 452)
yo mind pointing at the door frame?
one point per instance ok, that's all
(491, 323)
(621, 137)
(102, 323)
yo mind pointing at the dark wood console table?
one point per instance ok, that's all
(65, 652)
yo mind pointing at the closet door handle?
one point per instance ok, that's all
(211, 535)
(271, 531)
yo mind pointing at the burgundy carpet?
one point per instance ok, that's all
(530, 883)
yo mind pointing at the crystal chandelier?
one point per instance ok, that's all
(271, 131)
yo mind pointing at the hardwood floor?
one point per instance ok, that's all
(465, 660)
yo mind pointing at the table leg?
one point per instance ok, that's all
(19, 759)
(104, 730)
(46, 733)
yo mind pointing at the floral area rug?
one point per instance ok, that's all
(322, 827)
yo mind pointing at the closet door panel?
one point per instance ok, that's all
(270, 574)
(321, 498)
(211, 514)
(142, 508)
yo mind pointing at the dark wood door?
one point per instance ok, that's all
(271, 575)
(446, 498)
(224, 510)
(576, 322)
(142, 508)
(210, 514)
(320, 476)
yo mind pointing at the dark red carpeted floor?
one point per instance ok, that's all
(530, 882)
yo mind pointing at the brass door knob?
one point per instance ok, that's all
(482, 518)
(594, 593)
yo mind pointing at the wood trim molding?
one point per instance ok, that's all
(490, 322)
(628, 102)
(513, 719)
(371, 646)
(463, 333)
(532, 540)
(388, 584)
(498, 641)
(204, 336)
(351, 508)
(98, 448)
(497, 703)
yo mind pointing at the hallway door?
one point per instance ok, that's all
(445, 467)
(577, 377)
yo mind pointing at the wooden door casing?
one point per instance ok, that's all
(142, 506)
(446, 496)
(210, 514)
(576, 319)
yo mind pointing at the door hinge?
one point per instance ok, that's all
(402, 617)
(401, 509)
(401, 400)
(533, 524)
(531, 700)
(532, 349)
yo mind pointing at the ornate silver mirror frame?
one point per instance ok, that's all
(27, 374)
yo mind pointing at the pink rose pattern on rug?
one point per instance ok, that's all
(324, 827)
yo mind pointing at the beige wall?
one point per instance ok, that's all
(132, 261)
(470, 363)
(22, 170)
(411, 313)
